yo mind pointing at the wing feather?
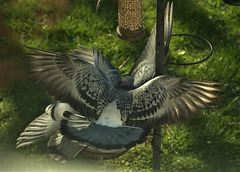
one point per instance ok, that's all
(168, 100)
(100, 62)
(72, 80)
(84, 54)
(144, 68)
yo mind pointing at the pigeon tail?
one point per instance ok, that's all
(107, 134)
(104, 138)
(62, 149)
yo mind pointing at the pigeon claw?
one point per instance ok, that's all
(148, 139)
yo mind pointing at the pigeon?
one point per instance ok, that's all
(145, 67)
(101, 113)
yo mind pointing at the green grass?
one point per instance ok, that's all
(209, 142)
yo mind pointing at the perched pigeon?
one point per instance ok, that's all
(102, 113)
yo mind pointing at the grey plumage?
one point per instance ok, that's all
(62, 149)
(145, 67)
(45, 125)
(168, 100)
(48, 125)
(99, 61)
(103, 113)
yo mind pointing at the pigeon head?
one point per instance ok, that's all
(126, 83)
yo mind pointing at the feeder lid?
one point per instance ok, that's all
(132, 35)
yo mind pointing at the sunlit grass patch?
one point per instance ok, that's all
(209, 142)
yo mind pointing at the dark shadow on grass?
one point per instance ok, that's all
(212, 147)
(197, 20)
(27, 100)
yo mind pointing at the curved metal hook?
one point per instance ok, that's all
(195, 36)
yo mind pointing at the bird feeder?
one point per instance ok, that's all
(131, 26)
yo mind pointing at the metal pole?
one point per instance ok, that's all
(160, 69)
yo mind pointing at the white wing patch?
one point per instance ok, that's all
(110, 116)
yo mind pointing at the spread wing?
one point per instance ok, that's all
(168, 100)
(72, 80)
(144, 68)
(99, 61)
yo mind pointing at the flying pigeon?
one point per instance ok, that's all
(102, 113)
